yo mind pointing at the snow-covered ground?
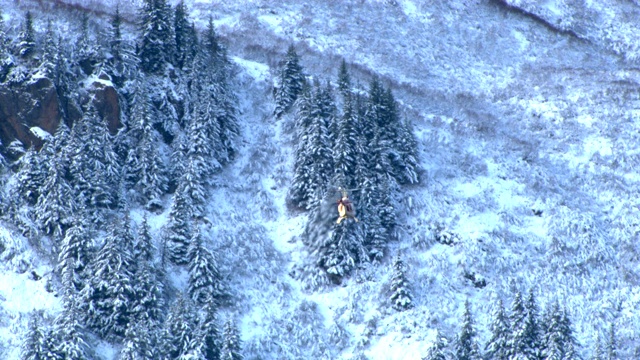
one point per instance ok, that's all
(529, 144)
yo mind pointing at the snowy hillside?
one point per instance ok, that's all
(525, 116)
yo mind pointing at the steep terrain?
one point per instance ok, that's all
(527, 128)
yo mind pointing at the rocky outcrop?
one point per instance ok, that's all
(34, 103)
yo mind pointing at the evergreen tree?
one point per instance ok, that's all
(401, 297)
(612, 344)
(209, 333)
(55, 204)
(34, 346)
(525, 340)
(204, 277)
(116, 35)
(147, 289)
(291, 81)
(6, 60)
(177, 235)
(597, 350)
(179, 332)
(138, 343)
(558, 336)
(344, 80)
(109, 294)
(184, 36)
(72, 345)
(31, 176)
(340, 252)
(48, 62)
(75, 251)
(466, 344)
(157, 45)
(347, 146)
(123, 62)
(143, 250)
(498, 346)
(95, 166)
(437, 351)
(313, 166)
(27, 37)
(145, 169)
(211, 44)
(231, 345)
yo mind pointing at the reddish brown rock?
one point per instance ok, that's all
(106, 102)
(34, 103)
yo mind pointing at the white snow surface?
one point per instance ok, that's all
(529, 144)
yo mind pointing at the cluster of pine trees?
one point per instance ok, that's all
(179, 127)
(352, 141)
(521, 333)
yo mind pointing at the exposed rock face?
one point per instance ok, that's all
(34, 103)
(106, 102)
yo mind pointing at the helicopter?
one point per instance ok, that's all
(346, 209)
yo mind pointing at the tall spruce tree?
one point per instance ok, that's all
(210, 337)
(612, 344)
(231, 344)
(290, 82)
(27, 37)
(466, 345)
(340, 252)
(180, 330)
(31, 176)
(144, 166)
(344, 80)
(347, 146)
(55, 204)
(69, 330)
(184, 36)
(498, 345)
(95, 166)
(157, 45)
(438, 350)
(313, 166)
(204, 277)
(87, 54)
(34, 346)
(401, 297)
(138, 343)
(108, 296)
(75, 251)
(178, 230)
(50, 51)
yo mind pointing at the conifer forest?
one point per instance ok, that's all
(348, 179)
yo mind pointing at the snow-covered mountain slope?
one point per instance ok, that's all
(528, 140)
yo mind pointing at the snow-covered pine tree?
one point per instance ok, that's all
(144, 249)
(517, 319)
(290, 82)
(55, 204)
(122, 64)
(597, 350)
(65, 82)
(34, 346)
(95, 166)
(209, 334)
(552, 339)
(347, 146)
(147, 288)
(525, 342)
(498, 345)
(72, 345)
(204, 277)
(180, 330)
(570, 341)
(184, 36)
(50, 51)
(157, 44)
(340, 252)
(401, 297)
(231, 345)
(138, 343)
(31, 176)
(108, 296)
(344, 80)
(75, 251)
(6, 59)
(612, 344)
(27, 37)
(144, 166)
(313, 166)
(178, 233)
(466, 346)
(438, 350)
